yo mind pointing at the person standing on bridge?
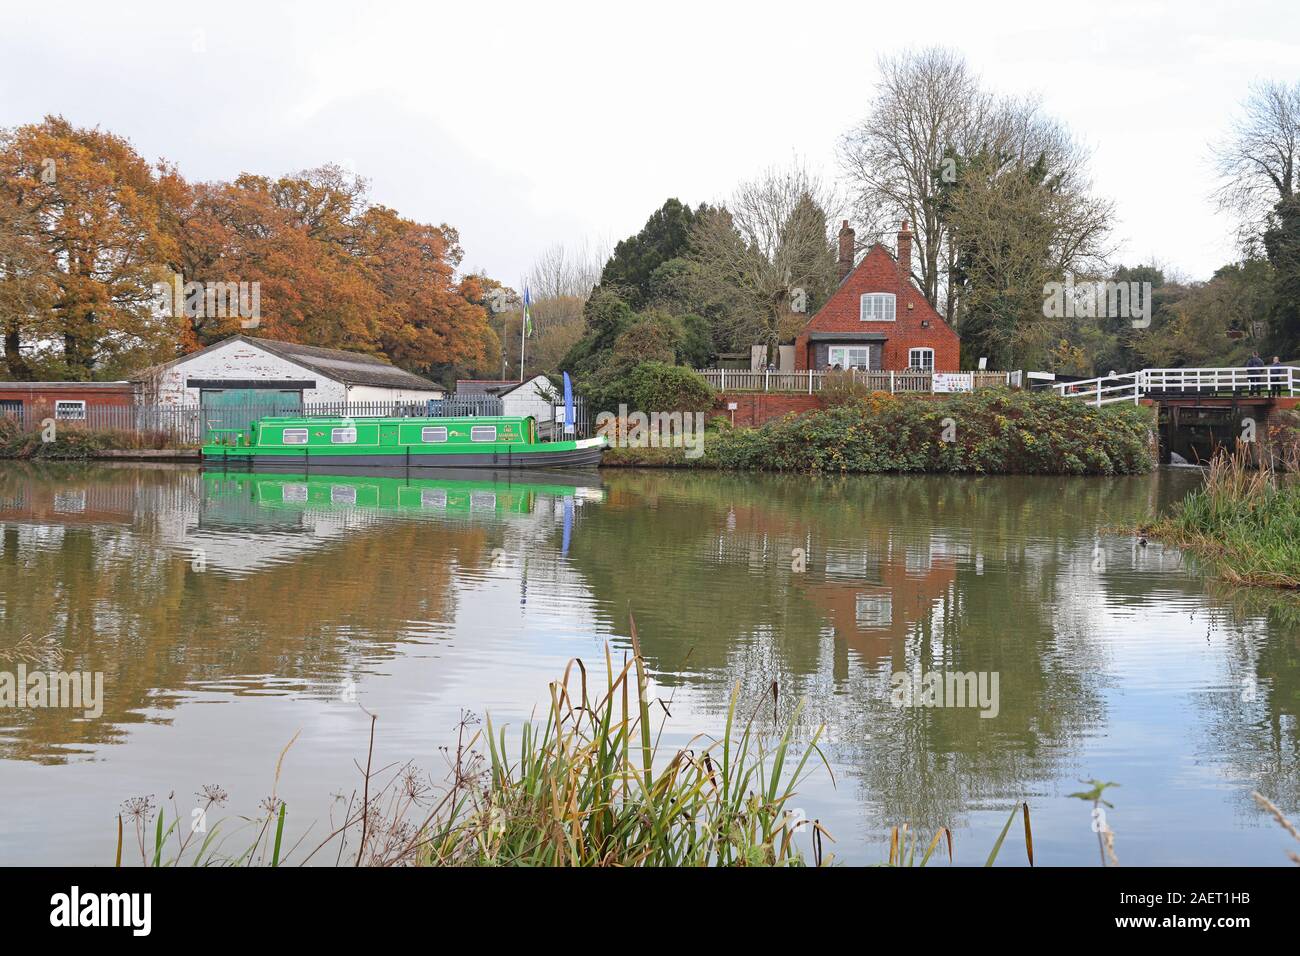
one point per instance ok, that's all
(1276, 376)
(1255, 378)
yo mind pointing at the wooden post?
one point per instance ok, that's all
(891, 381)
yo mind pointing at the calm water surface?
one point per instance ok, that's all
(230, 613)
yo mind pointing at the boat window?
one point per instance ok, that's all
(483, 433)
(433, 434)
(343, 494)
(294, 493)
(433, 498)
(482, 501)
(343, 436)
(295, 436)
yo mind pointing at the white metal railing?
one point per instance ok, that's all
(1208, 382)
(808, 382)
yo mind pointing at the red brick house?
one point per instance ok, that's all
(877, 319)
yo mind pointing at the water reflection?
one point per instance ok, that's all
(277, 594)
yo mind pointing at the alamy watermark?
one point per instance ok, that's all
(1098, 299)
(952, 689)
(210, 300)
(654, 430)
(37, 689)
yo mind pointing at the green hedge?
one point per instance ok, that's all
(994, 431)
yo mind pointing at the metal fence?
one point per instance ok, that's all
(731, 380)
(189, 424)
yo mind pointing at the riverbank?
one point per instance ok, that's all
(67, 441)
(1245, 520)
(990, 432)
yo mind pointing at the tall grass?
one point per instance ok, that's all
(587, 785)
(1245, 518)
(591, 786)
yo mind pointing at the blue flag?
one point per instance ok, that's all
(568, 405)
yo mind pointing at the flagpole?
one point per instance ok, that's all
(523, 329)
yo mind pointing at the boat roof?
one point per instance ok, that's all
(388, 419)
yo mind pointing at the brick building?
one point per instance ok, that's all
(877, 319)
(68, 401)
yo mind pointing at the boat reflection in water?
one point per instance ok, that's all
(247, 519)
(452, 492)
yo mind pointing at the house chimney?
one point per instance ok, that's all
(905, 252)
(846, 250)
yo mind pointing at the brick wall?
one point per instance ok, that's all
(759, 408)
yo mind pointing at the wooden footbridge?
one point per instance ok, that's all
(1198, 409)
(1190, 386)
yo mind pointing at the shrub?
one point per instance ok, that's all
(992, 432)
(839, 387)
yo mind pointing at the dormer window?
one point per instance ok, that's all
(877, 307)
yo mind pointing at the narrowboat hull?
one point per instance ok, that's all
(564, 454)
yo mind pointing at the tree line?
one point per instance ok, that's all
(999, 195)
(92, 237)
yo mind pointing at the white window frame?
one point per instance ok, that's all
(424, 434)
(294, 436)
(63, 405)
(475, 429)
(924, 354)
(877, 307)
(343, 436)
(844, 352)
(874, 610)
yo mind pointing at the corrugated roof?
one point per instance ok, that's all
(354, 368)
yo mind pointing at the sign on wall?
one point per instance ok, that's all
(954, 382)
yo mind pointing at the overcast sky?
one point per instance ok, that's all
(524, 125)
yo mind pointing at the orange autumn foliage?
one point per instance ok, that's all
(79, 258)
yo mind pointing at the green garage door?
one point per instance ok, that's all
(236, 407)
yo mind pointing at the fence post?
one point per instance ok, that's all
(723, 386)
(891, 381)
(767, 380)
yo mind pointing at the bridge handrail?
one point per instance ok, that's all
(1148, 380)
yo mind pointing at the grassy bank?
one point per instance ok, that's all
(1245, 520)
(988, 432)
(72, 442)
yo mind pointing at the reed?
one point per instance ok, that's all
(587, 785)
(1245, 519)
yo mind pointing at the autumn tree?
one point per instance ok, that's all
(83, 208)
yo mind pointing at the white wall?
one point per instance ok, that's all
(372, 393)
(240, 360)
(528, 400)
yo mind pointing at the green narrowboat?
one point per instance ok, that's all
(300, 444)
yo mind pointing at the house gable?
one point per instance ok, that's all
(915, 325)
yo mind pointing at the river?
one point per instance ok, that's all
(230, 613)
